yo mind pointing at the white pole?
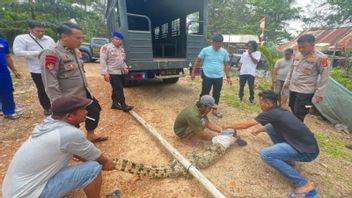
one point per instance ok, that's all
(193, 170)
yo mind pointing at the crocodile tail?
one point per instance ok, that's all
(140, 169)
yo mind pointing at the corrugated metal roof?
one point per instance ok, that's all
(341, 37)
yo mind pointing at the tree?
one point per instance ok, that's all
(243, 16)
(15, 16)
(330, 13)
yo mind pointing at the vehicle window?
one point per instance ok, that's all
(138, 23)
(157, 32)
(100, 41)
(164, 30)
(175, 27)
(117, 16)
(193, 23)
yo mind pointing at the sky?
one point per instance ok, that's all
(296, 26)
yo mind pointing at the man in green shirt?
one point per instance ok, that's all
(192, 121)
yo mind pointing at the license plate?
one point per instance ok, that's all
(168, 72)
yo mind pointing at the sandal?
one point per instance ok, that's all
(309, 194)
(115, 194)
(99, 139)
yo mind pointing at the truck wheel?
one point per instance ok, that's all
(85, 57)
(170, 80)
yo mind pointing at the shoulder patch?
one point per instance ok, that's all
(103, 49)
(324, 61)
(50, 62)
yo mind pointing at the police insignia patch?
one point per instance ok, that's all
(324, 61)
(50, 66)
(50, 62)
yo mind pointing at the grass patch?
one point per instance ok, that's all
(333, 146)
(230, 97)
(341, 76)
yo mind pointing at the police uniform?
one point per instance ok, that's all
(112, 62)
(307, 78)
(63, 74)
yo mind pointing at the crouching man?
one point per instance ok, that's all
(40, 167)
(193, 120)
(292, 141)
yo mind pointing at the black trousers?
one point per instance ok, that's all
(298, 102)
(116, 81)
(93, 111)
(43, 98)
(250, 79)
(208, 83)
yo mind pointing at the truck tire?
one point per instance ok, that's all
(85, 57)
(170, 80)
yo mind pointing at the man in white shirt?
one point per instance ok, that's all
(249, 61)
(30, 45)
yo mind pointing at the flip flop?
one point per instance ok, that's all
(309, 194)
(99, 139)
(115, 194)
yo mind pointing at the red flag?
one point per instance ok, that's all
(262, 23)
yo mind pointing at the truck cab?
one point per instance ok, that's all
(161, 36)
(91, 51)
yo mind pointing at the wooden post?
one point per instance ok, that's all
(193, 170)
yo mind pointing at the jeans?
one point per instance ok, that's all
(70, 178)
(43, 98)
(280, 152)
(298, 102)
(243, 79)
(216, 83)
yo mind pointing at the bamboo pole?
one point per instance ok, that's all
(193, 170)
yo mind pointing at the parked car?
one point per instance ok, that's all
(91, 51)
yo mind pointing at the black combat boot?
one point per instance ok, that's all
(126, 108)
(116, 105)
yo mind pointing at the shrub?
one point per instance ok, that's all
(342, 77)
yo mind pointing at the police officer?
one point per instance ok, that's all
(308, 77)
(114, 68)
(62, 73)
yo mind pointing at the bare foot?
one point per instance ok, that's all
(94, 138)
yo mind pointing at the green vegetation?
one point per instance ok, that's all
(242, 17)
(341, 76)
(14, 16)
(271, 55)
(333, 146)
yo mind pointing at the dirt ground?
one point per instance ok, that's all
(240, 173)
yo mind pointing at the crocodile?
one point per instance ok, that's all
(202, 158)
